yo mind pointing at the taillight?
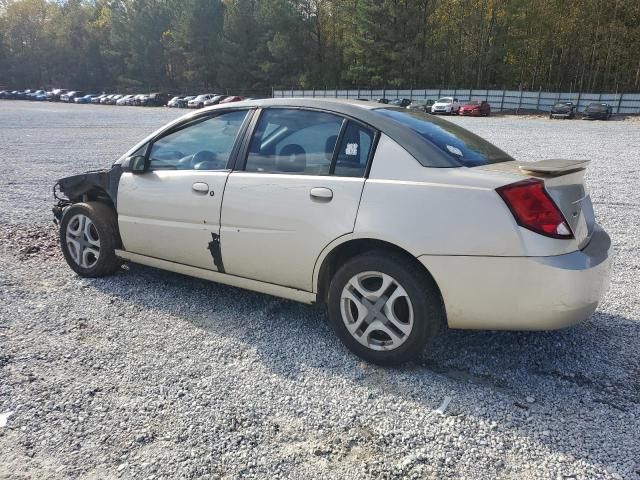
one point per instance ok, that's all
(534, 209)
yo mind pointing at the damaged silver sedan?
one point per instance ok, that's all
(399, 221)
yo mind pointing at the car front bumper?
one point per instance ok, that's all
(523, 293)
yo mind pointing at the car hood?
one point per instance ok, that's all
(442, 104)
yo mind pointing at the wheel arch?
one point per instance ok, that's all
(347, 247)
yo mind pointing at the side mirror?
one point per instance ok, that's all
(134, 164)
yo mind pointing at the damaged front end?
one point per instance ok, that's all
(95, 185)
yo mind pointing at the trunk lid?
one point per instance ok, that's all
(564, 181)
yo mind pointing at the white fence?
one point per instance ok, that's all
(628, 103)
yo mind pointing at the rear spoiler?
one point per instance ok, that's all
(554, 167)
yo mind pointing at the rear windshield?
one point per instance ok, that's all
(466, 148)
(597, 107)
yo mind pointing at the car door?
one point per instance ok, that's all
(297, 189)
(171, 210)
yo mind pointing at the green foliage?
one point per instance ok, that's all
(582, 45)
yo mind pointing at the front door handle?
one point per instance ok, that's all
(321, 193)
(200, 187)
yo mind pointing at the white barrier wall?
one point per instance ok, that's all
(499, 99)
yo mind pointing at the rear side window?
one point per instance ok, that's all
(466, 148)
(293, 141)
(353, 151)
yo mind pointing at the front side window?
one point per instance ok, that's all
(293, 141)
(205, 144)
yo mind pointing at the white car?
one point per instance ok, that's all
(122, 101)
(448, 105)
(198, 102)
(397, 220)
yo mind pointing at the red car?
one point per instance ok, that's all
(231, 99)
(475, 108)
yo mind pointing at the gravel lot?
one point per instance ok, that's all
(149, 374)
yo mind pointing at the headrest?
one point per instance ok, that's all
(292, 158)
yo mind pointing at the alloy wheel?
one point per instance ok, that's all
(377, 310)
(83, 241)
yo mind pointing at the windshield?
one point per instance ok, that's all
(464, 147)
(597, 107)
(446, 100)
(562, 105)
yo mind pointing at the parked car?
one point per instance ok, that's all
(291, 197)
(98, 98)
(124, 100)
(54, 95)
(85, 98)
(400, 102)
(231, 99)
(156, 100)
(184, 102)
(70, 96)
(449, 105)
(198, 102)
(5, 94)
(32, 96)
(421, 105)
(39, 96)
(597, 111)
(214, 100)
(383, 100)
(173, 103)
(563, 110)
(23, 94)
(112, 99)
(138, 100)
(475, 108)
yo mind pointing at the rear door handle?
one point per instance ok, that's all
(200, 187)
(321, 193)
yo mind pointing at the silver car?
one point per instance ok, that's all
(399, 221)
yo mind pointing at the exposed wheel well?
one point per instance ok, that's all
(96, 194)
(342, 253)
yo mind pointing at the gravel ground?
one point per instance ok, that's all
(149, 374)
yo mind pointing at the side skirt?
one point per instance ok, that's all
(262, 287)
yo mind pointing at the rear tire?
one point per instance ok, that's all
(88, 238)
(384, 307)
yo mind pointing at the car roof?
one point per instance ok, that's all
(424, 152)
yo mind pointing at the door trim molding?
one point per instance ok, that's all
(240, 282)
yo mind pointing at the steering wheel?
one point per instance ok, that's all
(205, 160)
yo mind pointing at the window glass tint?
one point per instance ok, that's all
(353, 152)
(465, 147)
(204, 145)
(293, 141)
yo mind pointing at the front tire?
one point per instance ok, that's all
(88, 238)
(384, 307)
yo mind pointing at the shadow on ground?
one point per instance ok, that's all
(590, 366)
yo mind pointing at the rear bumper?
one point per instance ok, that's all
(523, 293)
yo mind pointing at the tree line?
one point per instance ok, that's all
(577, 45)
